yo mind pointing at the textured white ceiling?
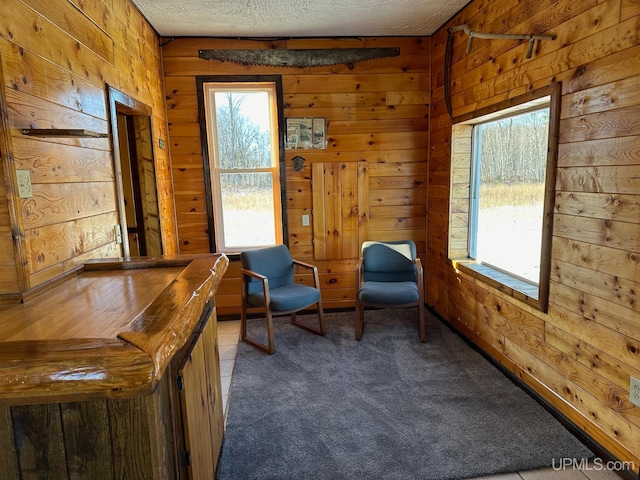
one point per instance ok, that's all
(298, 18)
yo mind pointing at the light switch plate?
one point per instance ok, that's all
(24, 183)
(305, 220)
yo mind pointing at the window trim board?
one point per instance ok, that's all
(277, 80)
(460, 220)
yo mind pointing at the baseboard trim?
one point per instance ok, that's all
(597, 448)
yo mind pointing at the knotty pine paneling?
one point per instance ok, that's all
(57, 57)
(10, 284)
(580, 354)
(8, 269)
(377, 113)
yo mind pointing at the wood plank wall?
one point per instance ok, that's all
(57, 57)
(377, 114)
(581, 354)
(9, 282)
(93, 439)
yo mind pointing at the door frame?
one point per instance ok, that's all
(119, 102)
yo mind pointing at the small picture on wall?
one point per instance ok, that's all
(319, 138)
(305, 133)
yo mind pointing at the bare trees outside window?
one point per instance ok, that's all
(503, 168)
(508, 188)
(244, 164)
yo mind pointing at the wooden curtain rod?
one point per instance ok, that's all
(489, 36)
(500, 36)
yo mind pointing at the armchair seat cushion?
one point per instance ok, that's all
(389, 293)
(286, 298)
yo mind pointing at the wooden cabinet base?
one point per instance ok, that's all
(75, 421)
(98, 439)
(176, 432)
(201, 402)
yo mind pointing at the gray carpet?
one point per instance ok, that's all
(387, 407)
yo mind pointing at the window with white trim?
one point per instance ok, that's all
(503, 171)
(244, 164)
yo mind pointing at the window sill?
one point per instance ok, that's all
(514, 287)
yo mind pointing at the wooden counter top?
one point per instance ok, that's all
(108, 332)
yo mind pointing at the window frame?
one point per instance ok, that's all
(460, 215)
(211, 205)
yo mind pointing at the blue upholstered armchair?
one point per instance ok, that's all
(267, 282)
(389, 275)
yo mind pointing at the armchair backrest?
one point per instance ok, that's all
(389, 261)
(275, 263)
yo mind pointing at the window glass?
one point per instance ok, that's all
(503, 162)
(247, 206)
(244, 165)
(508, 190)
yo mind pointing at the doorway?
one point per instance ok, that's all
(134, 169)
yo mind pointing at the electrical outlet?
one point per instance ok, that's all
(24, 183)
(634, 391)
(305, 220)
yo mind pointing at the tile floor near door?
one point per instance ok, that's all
(229, 335)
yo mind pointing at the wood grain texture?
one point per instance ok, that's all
(108, 332)
(55, 64)
(38, 431)
(579, 355)
(136, 437)
(87, 430)
(12, 278)
(131, 444)
(57, 163)
(165, 325)
(202, 403)
(8, 454)
(336, 189)
(56, 59)
(49, 370)
(377, 113)
(52, 244)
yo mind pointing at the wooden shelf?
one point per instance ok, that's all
(62, 132)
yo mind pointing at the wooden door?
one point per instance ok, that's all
(201, 402)
(340, 203)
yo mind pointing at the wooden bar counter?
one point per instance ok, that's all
(114, 373)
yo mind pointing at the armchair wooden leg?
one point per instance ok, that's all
(320, 330)
(421, 316)
(270, 336)
(243, 321)
(269, 348)
(359, 319)
(321, 317)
